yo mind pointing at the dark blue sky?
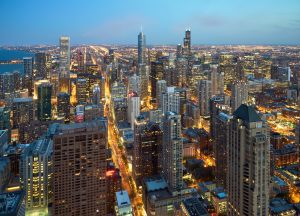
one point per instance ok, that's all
(164, 21)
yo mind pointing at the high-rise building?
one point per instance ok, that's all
(156, 73)
(134, 106)
(9, 83)
(204, 94)
(36, 174)
(220, 142)
(44, 108)
(81, 91)
(144, 74)
(142, 48)
(217, 81)
(79, 167)
(179, 51)
(65, 54)
(161, 87)
(96, 97)
(63, 106)
(5, 120)
(248, 168)
(146, 152)
(40, 64)
(22, 111)
(170, 101)
(28, 74)
(239, 94)
(134, 84)
(187, 43)
(172, 151)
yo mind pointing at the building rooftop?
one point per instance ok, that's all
(10, 203)
(22, 100)
(194, 207)
(247, 113)
(156, 184)
(280, 205)
(122, 198)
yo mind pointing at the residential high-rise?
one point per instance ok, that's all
(63, 106)
(142, 48)
(146, 152)
(79, 167)
(187, 43)
(248, 168)
(144, 74)
(161, 87)
(134, 107)
(170, 101)
(156, 73)
(220, 145)
(172, 151)
(28, 74)
(134, 84)
(217, 81)
(40, 65)
(239, 94)
(204, 94)
(44, 108)
(5, 120)
(96, 97)
(9, 83)
(36, 174)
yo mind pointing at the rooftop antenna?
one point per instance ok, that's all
(141, 28)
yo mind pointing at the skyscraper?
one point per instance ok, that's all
(44, 102)
(217, 81)
(63, 106)
(134, 106)
(204, 94)
(40, 64)
(28, 74)
(22, 111)
(144, 74)
(239, 94)
(64, 44)
(156, 73)
(248, 157)
(172, 151)
(170, 101)
(36, 174)
(142, 48)
(161, 87)
(9, 83)
(147, 146)
(79, 167)
(134, 84)
(187, 43)
(81, 91)
(5, 120)
(220, 145)
(96, 97)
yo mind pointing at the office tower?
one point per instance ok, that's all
(96, 97)
(36, 85)
(187, 43)
(40, 65)
(114, 184)
(181, 72)
(156, 73)
(123, 206)
(248, 157)
(22, 111)
(92, 111)
(172, 151)
(161, 87)
(81, 91)
(280, 73)
(239, 94)
(65, 54)
(79, 167)
(118, 90)
(182, 93)
(5, 120)
(9, 83)
(28, 74)
(170, 101)
(155, 116)
(220, 142)
(36, 174)
(44, 108)
(217, 81)
(179, 51)
(63, 106)
(204, 94)
(146, 152)
(142, 48)
(134, 84)
(134, 107)
(144, 74)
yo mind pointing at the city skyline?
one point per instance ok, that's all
(211, 23)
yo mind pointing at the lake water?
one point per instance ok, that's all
(13, 55)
